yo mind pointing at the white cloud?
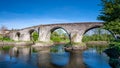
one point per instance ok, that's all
(22, 23)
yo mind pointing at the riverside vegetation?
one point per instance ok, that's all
(110, 14)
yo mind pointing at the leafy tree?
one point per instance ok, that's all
(4, 34)
(113, 26)
(110, 11)
(35, 36)
(59, 36)
(3, 30)
(110, 14)
(98, 35)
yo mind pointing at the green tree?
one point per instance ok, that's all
(59, 36)
(98, 35)
(110, 14)
(113, 26)
(35, 36)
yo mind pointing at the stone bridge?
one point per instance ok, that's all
(74, 30)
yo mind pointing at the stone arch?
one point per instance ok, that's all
(53, 29)
(30, 33)
(18, 34)
(65, 30)
(91, 29)
(99, 27)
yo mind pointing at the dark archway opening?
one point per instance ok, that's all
(59, 35)
(18, 35)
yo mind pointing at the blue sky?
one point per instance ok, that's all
(24, 13)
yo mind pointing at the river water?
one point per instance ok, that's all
(22, 58)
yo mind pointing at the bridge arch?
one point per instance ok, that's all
(55, 28)
(105, 30)
(18, 34)
(61, 31)
(91, 28)
(31, 32)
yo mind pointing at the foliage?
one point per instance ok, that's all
(110, 10)
(110, 13)
(115, 44)
(114, 53)
(114, 63)
(3, 30)
(35, 36)
(57, 36)
(97, 37)
(98, 34)
(2, 38)
(7, 39)
(113, 50)
(113, 26)
(4, 34)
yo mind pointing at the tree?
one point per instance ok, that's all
(3, 30)
(110, 14)
(35, 36)
(59, 35)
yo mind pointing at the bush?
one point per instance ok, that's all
(114, 50)
(56, 39)
(97, 37)
(5, 39)
(35, 36)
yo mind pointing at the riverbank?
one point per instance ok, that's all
(39, 46)
(4, 43)
(101, 43)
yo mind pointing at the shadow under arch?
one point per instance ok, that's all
(18, 35)
(113, 35)
(55, 28)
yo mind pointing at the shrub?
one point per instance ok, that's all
(35, 36)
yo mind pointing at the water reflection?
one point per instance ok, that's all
(13, 52)
(76, 60)
(22, 58)
(43, 60)
(93, 59)
(60, 59)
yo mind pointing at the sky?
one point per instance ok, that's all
(17, 14)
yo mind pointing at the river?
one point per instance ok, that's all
(93, 57)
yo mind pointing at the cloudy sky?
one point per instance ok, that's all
(24, 13)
